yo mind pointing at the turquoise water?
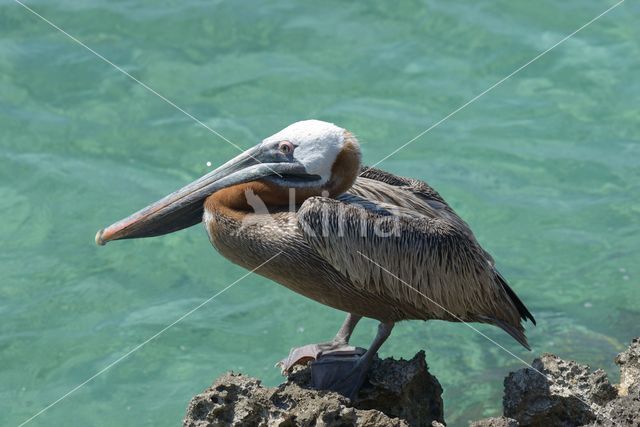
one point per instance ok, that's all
(544, 168)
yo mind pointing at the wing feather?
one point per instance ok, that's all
(397, 238)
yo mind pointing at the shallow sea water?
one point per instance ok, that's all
(545, 168)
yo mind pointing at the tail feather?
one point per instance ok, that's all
(522, 309)
(516, 332)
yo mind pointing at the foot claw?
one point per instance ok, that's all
(309, 352)
(299, 355)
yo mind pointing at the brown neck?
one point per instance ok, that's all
(346, 167)
(239, 200)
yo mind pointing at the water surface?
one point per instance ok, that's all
(544, 168)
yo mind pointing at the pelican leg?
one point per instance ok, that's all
(346, 375)
(339, 345)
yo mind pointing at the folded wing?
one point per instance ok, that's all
(397, 238)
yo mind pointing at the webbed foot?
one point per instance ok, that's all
(345, 373)
(342, 372)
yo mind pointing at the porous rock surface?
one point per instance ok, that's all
(397, 393)
(629, 363)
(555, 393)
(560, 393)
(624, 410)
(495, 422)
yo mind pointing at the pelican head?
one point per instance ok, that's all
(312, 155)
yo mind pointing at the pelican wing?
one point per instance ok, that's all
(397, 238)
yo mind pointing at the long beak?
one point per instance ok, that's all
(184, 207)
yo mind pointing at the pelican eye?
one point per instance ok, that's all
(285, 147)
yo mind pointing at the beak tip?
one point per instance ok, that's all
(99, 240)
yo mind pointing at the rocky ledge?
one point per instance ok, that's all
(403, 393)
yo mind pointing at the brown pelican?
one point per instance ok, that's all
(301, 209)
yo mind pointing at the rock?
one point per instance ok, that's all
(625, 410)
(556, 393)
(403, 393)
(629, 363)
(397, 393)
(403, 389)
(495, 422)
(572, 395)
